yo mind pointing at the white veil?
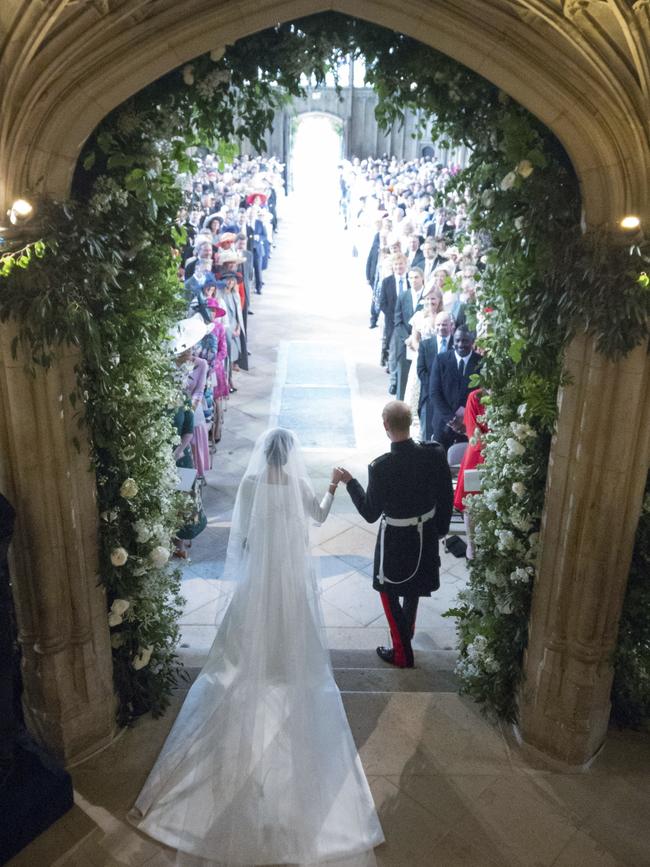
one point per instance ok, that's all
(260, 766)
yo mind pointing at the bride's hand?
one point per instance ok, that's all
(337, 475)
(342, 475)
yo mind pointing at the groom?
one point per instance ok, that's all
(410, 488)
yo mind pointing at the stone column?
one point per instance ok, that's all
(68, 698)
(597, 471)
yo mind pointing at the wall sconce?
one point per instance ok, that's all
(20, 212)
(630, 222)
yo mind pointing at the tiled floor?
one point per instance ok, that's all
(450, 788)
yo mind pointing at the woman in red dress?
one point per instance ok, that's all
(472, 458)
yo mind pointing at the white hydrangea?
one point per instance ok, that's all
(515, 448)
(521, 575)
(508, 181)
(506, 540)
(519, 489)
(521, 431)
(159, 556)
(143, 532)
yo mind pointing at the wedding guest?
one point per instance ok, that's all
(473, 457)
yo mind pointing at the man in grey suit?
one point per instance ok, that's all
(408, 301)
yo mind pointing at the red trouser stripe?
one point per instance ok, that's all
(398, 647)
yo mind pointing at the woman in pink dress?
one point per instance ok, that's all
(221, 390)
(471, 459)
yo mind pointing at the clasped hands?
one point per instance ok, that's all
(340, 475)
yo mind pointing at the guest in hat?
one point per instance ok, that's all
(231, 302)
(214, 349)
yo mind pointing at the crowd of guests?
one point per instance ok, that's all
(423, 269)
(229, 220)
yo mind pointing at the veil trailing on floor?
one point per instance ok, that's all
(260, 766)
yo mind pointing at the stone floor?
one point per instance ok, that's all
(451, 788)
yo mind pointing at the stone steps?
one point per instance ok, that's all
(361, 671)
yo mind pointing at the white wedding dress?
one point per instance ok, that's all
(260, 766)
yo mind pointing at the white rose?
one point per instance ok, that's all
(520, 222)
(524, 168)
(119, 556)
(159, 556)
(515, 448)
(518, 488)
(188, 74)
(129, 488)
(119, 606)
(508, 181)
(114, 619)
(217, 53)
(487, 198)
(142, 657)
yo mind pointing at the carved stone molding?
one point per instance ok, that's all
(68, 695)
(595, 486)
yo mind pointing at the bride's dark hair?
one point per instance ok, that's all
(279, 443)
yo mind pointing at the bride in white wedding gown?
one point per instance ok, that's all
(260, 766)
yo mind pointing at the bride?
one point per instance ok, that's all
(260, 766)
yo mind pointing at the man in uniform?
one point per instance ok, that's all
(410, 489)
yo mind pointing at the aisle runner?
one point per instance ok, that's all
(313, 396)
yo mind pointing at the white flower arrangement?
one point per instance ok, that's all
(128, 489)
(117, 611)
(119, 556)
(525, 168)
(142, 657)
(159, 556)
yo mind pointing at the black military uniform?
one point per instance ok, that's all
(410, 489)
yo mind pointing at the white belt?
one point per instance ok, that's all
(418, 522)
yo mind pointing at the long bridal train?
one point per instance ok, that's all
(260, 766)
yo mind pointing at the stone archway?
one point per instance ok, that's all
(582, 69)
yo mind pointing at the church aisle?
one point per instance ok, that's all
(315, 368)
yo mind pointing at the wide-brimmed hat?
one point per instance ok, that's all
(187, 333)
(231, 256)
(229, 275)
(226, 238)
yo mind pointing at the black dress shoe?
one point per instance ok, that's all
(387, 654)
(373, 324)
(392, 389)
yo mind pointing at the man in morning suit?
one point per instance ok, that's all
(390, 288)
(405, 306)
(428, 351)
(410, 489)
(449, 387)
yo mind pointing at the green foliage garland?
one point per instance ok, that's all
(101, 277)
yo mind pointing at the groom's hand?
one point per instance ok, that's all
(345, 475)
